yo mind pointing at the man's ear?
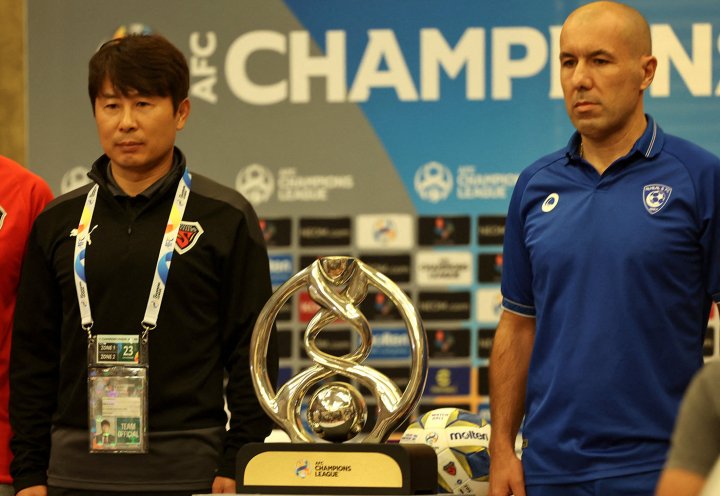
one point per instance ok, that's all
(182, 114)
(649, 64)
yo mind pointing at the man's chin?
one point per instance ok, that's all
(588, 126)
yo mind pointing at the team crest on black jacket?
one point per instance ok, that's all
(450, 468)
(3, 213)
(187, 236)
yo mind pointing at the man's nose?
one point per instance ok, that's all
(127, 119)
(581, 78)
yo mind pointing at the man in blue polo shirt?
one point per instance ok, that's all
(612, 261)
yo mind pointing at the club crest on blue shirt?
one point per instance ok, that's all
(655, 197)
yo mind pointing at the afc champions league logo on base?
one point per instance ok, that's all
(433, 182)
(337, 411)
(256, 183)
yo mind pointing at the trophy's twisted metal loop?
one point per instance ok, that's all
(338, 285)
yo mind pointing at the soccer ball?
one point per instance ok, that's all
(460, 440)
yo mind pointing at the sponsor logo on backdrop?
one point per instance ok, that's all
(433, 182)
(281, 268)
(488, 304)
(443, 268)
(386, 232)
(449, 381)
(276, 232)
(485, 341)
(475, 185)
(307, 308)
(188, 235)
(325, 232)
(377, 306)
(442, 230)
(396, 267)
(444, 305)
(256, 183)
(294, 187)
(655, 197)
(335, 342)
(490, 267)
(491, 230)
(453, 343)
(74, 178)
(390, 343)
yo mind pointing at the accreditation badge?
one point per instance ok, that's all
(117, 394)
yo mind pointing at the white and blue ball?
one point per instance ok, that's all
(460, 440)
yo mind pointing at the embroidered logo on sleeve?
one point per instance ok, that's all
(187, 236)
(655, 197)
(3, 214)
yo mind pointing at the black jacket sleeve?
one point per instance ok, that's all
(34, 363)
(247, 288)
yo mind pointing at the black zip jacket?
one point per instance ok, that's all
(215, 291)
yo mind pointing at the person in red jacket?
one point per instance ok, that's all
(22, 196)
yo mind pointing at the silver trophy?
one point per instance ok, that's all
(337, 411)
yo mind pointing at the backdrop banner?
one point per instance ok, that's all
(389, 131)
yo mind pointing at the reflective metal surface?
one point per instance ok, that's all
(338, 285)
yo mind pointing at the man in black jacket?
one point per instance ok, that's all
(93, 280)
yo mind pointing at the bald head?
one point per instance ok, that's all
(627, 23)
(605, 67)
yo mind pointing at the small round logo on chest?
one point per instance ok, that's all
(550, 202)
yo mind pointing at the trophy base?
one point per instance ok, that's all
(325, 468)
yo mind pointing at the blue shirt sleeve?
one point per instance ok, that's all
(517, 271)
(709, 210)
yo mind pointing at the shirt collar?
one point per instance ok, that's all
(648, 145)
(102, 166)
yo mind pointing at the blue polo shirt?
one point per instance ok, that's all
(619, 270)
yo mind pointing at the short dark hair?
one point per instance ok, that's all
(105, 422)
(147, 64)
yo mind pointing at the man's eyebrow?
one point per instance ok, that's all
(595, 53)
(601, 52)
